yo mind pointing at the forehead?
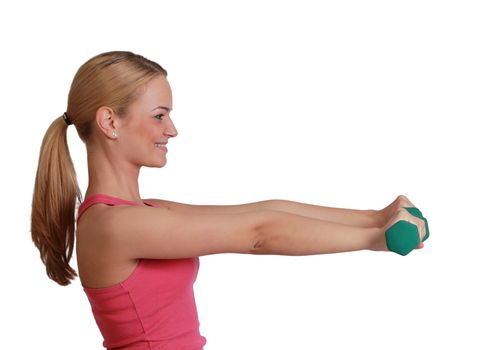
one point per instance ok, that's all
(157, 92)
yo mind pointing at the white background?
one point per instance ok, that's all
(336, 103)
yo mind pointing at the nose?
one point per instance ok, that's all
(170, 128)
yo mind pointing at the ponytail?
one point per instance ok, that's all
(54, 203)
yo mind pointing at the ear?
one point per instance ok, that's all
(106, 120)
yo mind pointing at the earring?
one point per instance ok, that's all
(114, 134)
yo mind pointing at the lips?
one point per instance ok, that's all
(160, 144)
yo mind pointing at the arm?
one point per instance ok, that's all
(158, 233)
(354, 217)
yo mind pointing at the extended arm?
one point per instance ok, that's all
(354, 217)
(135, 232)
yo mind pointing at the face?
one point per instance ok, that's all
(144, 133)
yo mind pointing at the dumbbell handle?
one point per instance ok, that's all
(403, 237)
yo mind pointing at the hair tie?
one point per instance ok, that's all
(66, 119)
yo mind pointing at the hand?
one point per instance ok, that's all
(386, 214)
(399, 214)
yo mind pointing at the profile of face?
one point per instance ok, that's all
(143, 134)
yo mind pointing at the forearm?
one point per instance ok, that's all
(283, 233)
(353, 217)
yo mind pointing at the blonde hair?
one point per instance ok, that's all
(109, 79)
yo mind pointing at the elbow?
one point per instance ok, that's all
(257, 245)
(261, 232)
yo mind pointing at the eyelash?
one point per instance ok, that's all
(156, 116)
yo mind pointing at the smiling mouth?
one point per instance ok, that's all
(160, 145)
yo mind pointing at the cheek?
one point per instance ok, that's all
(150, 130)
(144, 135)
(141, 138)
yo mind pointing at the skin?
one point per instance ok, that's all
(114, 162)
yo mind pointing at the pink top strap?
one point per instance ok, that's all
(105, 199)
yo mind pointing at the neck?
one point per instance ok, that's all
(113, 177)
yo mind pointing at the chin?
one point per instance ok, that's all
(159, 164)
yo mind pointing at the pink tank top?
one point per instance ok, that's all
(154, 308)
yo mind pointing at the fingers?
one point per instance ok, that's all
(403, 201)
(388, 212)
(422, 230)
(415, 221)
(403, 214)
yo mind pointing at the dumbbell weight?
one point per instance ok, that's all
(403, 237)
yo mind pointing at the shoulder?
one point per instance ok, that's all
(108, 232)
(102, 221)
(99, 263)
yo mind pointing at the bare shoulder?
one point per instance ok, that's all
(99, 265)
(95, 221)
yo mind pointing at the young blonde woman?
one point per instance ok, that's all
(138, 258)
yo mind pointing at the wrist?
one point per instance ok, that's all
(377, 218)
(377, 239)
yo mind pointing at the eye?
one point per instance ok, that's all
(159, 115)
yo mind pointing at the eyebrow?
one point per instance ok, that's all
(162, 107)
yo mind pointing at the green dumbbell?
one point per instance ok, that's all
(403, 237)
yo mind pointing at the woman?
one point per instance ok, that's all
(138, 259)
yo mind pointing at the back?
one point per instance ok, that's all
(154, 307)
